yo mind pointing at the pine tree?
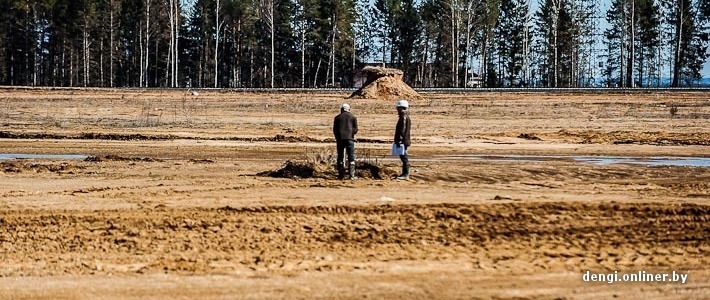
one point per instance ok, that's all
(616, 42)
(690, 39)
(490, 10)
(437, 40)
(408, 24)
(384, 16)
(648, 42)
(510, 34)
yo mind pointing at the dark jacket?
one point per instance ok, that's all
(345, 126)
(404, 126)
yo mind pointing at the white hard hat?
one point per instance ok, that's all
(345, 107)
(403, 103)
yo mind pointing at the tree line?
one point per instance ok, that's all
(324, 43)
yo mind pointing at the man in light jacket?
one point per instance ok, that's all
(402, 137)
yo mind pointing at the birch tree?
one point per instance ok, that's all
(267, 14)
(145, 71)
(218, 26)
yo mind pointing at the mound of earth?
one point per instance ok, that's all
(20, 166)
(296, 169)
(386, 84)
(111, 157)
(364, 169)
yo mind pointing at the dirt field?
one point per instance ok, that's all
(173, 202)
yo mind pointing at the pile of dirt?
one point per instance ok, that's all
(529, 136)
(365, 169)
(295, 169)
(19, 167)
(386, 84)
(301, 169)
(87, 136)
(112, 157)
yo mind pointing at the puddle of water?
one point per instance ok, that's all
(598, 160)
(6, 156)
(654, 161)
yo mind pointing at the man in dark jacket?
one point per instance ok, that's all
(344, 129)
(402, 137)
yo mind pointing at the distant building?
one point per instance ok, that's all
(474, 81)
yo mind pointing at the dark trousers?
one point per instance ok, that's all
(404, 158)
(346, 146)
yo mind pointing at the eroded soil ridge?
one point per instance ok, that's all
(525, 236)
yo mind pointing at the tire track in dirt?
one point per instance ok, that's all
(658, 138)
(165, 137)
(282, 239)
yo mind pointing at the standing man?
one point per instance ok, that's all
(402, 138)
(344, 129)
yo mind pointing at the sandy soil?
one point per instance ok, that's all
(173, 206)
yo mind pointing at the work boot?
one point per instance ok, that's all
(341, 171)
(405, 173)
(351, 170)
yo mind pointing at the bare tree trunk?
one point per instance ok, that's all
(332, 50)
(267, 13)
(142, 59)
(251, 68)
(216, 43)
(353, 55)
(111, 46)
(235, 58)
(60, 64)
(469, 16)
(176, 57)
(484, 58)
(202, 64)
(458, 41)
(679, 37)
(272, 46)
(239, 53)
(147, 42)
(555, 32)
(659, 67)
(155, 74)
(454, 51)
(384, 51)
(303, 52)
(36, 36)
(173, 54)
(327, 71)
(169, 64)
(425, 58)
(526, 46)
(631, 81)
(315, 78)
(642, 62)
(622, 58)
(63, 65)
(86, 53)
(71, 65)
(671, 59)
(101, 61)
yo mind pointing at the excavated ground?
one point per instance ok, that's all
(172, 200)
